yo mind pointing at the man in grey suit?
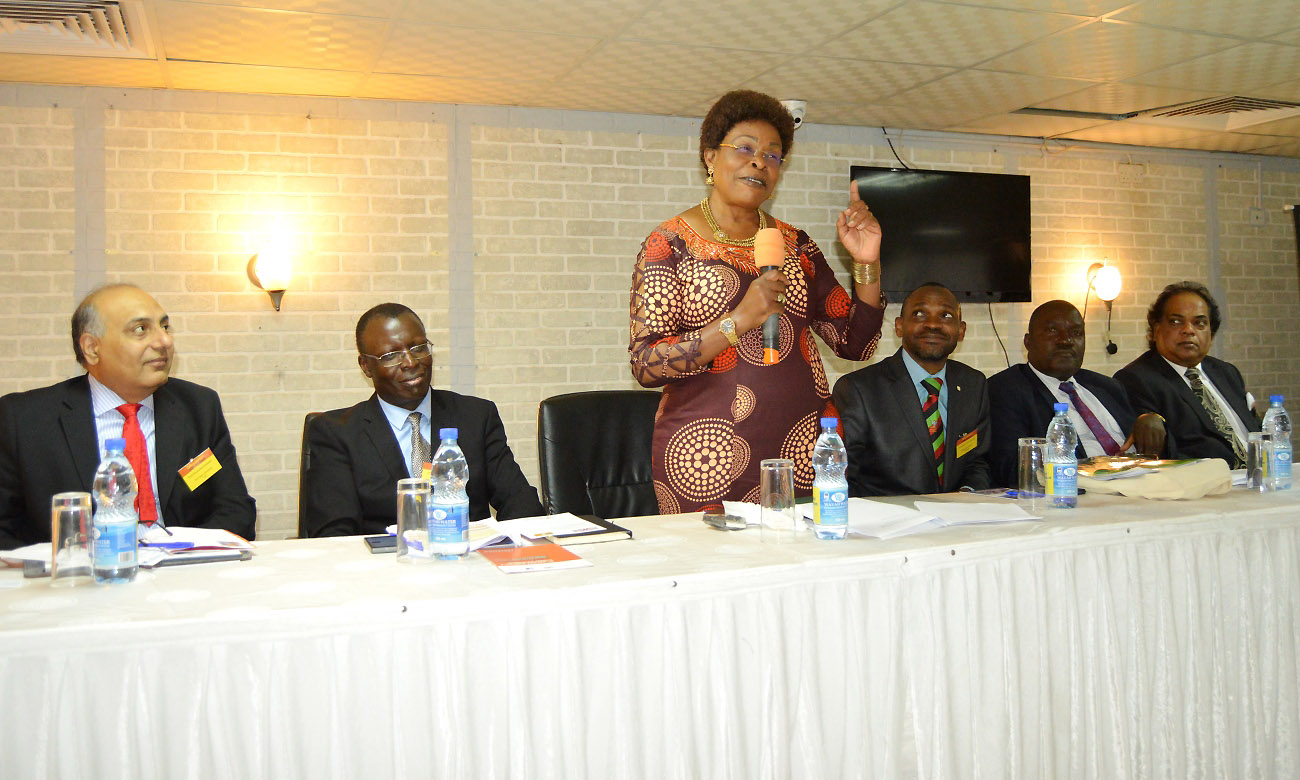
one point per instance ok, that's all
(917, 422)
(358, 454)
(51, 438)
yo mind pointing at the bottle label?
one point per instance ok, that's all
(1282, 464)
(830, 506)
(115, 543)
(1062, 479)
(448, 523)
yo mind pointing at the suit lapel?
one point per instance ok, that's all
(168, 431)
(952, 430)
(77, 424)
(379, 433)
(908, 403)
(1185, 394)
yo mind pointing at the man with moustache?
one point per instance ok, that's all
(1203, 400)
(1021, 397)
(52, 438)
(917, 422)
(358, 454)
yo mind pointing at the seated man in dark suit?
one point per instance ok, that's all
(1021, 397)
(1202, 399)
(917, 422)
(358, 454)
(51, 438)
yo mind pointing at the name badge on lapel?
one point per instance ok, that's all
(198, 470)
(967, 443)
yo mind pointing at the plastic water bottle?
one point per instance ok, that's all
(1278, 423)
(1062, 470)
(449, 503)
(114, 557)
(830, 487)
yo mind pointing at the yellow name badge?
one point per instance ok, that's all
(197, 471)
(967, 443)
(426, 470)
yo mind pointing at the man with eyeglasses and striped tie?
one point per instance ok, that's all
(1207, 411)
(1021, 397)
(358, 454)
(917, 422)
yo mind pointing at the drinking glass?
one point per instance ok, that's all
(1032, 484)
(776, 485)
(70, 532)
(413, 521)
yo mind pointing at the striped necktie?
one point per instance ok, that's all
(419, 447)
(1217, 416)
(934, 422)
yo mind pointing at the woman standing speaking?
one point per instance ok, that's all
(699, 302)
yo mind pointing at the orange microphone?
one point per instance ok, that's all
(769, 255)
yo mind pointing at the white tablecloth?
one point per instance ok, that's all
(1124, 639)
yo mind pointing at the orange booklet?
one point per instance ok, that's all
(534, 557)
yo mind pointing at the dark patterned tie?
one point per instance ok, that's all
(1217, 415)
(419, 447)
(934, 422)
(1103, 438)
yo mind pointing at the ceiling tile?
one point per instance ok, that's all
(437, 89)
(1022, 125)
(1229, 142)
(825, 79)
(1127, 132)
(1108, 51)
(261, 79)
(641, 100)
(1113, 98)
(564, 17)
(484, 54)
(868, 115)
(372, 8)
(1287, 90)
(1243, 18)
(985, 91)
(1289, 149)
(757, 25)
(1079, 7)
(86, 71)
(658, 65)
(192, 31)
(1235, 71)
(939, 34)
(1289, 127)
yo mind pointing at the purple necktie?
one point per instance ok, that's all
(1103, 438)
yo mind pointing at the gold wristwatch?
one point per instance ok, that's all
(728, 329)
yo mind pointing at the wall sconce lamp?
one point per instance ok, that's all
(1106, 282)
(271, 270)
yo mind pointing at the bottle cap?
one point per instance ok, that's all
(830, 422)
(1061, 407)
(448, 433)
(114, 444)
(1276, 398)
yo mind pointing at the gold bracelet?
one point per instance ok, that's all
(866, 273)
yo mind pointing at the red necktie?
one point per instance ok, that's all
(1103, 438)
(137, 454)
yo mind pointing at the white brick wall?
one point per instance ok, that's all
(195, 183)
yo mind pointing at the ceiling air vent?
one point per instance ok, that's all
(93, 28)
(1224, 114)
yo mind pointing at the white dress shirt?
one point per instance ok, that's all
(108, 425)
(1091, 447)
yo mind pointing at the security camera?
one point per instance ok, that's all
(797, 109)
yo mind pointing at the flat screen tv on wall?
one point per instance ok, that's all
(967, 231)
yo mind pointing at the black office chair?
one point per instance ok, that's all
(304, 463)
(593, 450)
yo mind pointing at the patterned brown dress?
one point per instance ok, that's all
(717, 420)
